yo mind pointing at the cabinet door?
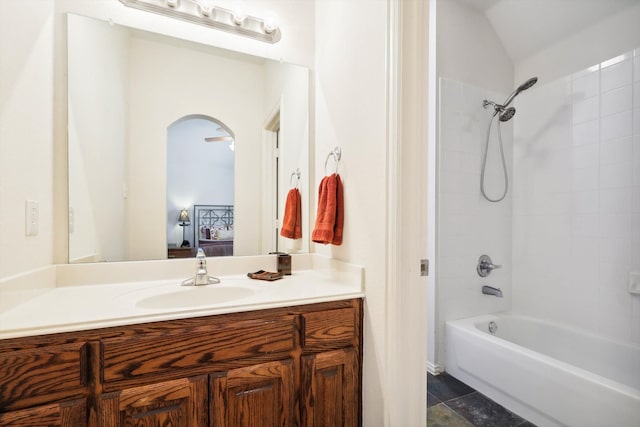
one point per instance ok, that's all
(330, 389)
(65, 414)
(259, 395)
(176, 403)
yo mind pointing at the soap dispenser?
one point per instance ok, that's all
(284, 263)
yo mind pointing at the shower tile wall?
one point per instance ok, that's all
(576, 199)
(468, 225)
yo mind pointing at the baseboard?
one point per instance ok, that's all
(434, 369)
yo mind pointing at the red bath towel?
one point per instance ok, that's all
(292, 220)
(330, 216)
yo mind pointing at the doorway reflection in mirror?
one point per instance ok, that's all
(200, 171)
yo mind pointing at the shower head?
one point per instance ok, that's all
(524, 86)
(507, 114)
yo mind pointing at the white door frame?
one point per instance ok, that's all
(269, 154)
(407, 212)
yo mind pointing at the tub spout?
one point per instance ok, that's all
(490, 290)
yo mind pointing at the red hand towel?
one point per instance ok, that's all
(330, 216)
(323, 230)
(339, 223)
(291, 222)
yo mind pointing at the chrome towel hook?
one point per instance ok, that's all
(336, 153)
(297, 173)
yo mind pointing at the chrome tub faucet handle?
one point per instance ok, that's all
(486, 266)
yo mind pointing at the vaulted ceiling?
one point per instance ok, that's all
(528, 26)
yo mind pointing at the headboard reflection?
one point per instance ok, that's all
(214, 229)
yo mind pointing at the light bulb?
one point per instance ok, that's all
(270, 23)
(206, 7)
(239, 14)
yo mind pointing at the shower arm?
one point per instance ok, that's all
(500, 108)
(497, 107)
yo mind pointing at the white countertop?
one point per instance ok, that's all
(27, 310)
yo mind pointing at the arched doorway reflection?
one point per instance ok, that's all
(200, 186)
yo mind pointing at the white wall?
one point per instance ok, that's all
(468, 49)
(97, 138)
(613, 36)
(472, 66)
(26, 126)
(577, 209)
(351, 113)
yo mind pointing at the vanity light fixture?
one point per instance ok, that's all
(204, 12)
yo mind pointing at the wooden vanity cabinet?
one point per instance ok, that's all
(292, 366)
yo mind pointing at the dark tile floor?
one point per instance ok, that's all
(451, 403)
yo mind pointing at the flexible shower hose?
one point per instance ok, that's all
(484, 164)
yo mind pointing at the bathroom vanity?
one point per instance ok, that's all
(270, 359)
(286, 366)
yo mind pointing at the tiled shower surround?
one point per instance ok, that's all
(568, 232)
(468, 225)
(576, 199)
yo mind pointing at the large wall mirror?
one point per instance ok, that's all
(128, 90)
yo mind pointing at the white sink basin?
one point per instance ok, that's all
(195, 296)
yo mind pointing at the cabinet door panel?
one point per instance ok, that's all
(330, 389)
(66, 414)
(260, 395)
(176, 403)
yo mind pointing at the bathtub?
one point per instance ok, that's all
(548, 373)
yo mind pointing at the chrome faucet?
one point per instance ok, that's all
(202, 277)
(490, 290)
(486, 266)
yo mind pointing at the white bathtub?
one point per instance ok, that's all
(548, 373)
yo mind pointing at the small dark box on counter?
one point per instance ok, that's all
(284, 264)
